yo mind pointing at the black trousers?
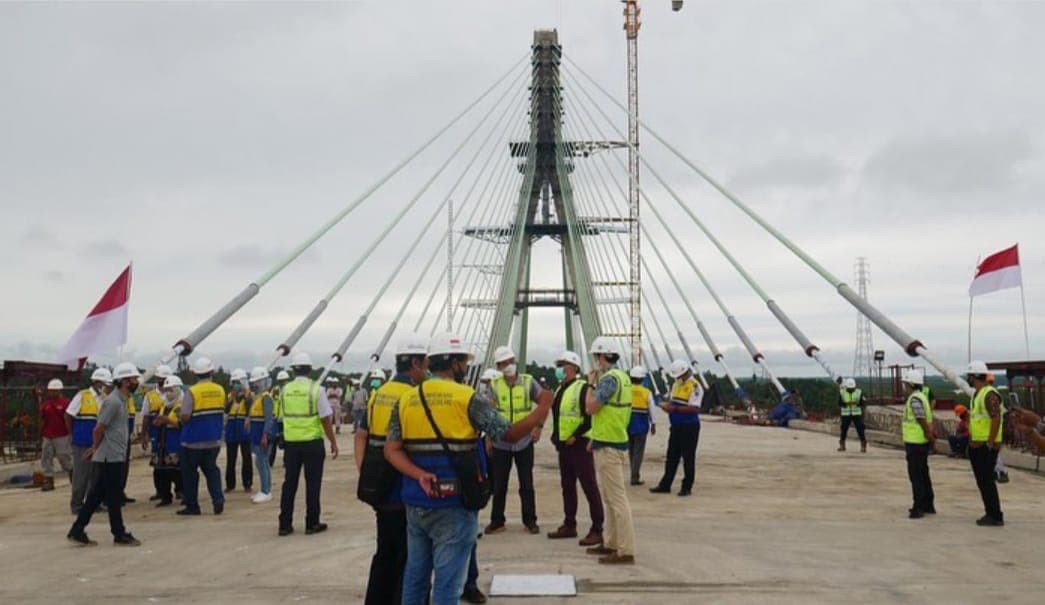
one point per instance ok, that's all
(858, 422)
(107, 487)
(983, 460)
(923, 498)
(125, 471)
(502, 472)
(232, 452)
(308, 455)
(682, 445)
(163, 479)
(385, 585)
(274, 446)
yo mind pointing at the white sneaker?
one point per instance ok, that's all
(261, 497)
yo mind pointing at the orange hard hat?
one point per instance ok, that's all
(959, 410)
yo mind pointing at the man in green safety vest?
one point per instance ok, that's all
(918, 438)
(609, 404)
(985, 439)
(307, 415)
(851, 405)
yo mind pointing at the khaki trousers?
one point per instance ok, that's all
(619, 533)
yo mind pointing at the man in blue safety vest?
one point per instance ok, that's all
(202, 415)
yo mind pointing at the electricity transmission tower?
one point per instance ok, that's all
(863, 356)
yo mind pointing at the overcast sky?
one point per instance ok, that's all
(203, 142)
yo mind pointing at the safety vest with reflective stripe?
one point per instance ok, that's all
(153, 407)
(379, 410)
(681, 394)
(851, 402)
(448, 402)
(299, 408)
(912, 429)
(610, 423)
(639, 399)
(208, 411)
(85, 419)
(980, 417)
(571, 415)
(513, 401)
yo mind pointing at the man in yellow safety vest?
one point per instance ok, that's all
(918, 438)
(985, 440)
(851, 404)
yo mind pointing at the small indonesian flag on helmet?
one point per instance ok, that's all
(996, 272)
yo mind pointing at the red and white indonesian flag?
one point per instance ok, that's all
(996, 272)
(105, 328)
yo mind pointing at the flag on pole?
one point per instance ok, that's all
(105, 328)
(996, 272)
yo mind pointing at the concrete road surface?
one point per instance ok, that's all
(777, 516)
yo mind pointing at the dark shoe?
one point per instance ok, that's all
(473, 595)
(914, 513)
(229, 490)
(1001, 478)
(155, 497)
(638, 482)
(986, 521)
(600, 550)
(660, 489)
(163, 503)
(863, 447)
(841, 447)
(286, 531)
(685, 492)
(315, 529)
(80, 539)
(127, 500)
(616, 559)
(188, 511)
(48, 485)
(493, 529)
(126, 540)
(219, 507)
(563, 532)
(593, 538)
(533, 529)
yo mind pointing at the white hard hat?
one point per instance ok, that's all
(977, 368)
(171, 382)
(55, 385)
(604, 345)
(259, 373)
(377, 373)
(448, 344)
(125, 370)
(569, 357)
(638, 372)
(203, 365)
(913, 377)
(490, 374)
(849, 383)
(101, 375)
(163, 371)
(412, 344)
(678, 368)
(301, 359)
(238, 374)
(282, 375)
(504, 353)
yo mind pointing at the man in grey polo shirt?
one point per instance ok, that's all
(108, 453)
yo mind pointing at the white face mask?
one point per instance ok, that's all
(510, 370)
(172, 395)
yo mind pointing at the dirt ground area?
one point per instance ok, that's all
(776, 516)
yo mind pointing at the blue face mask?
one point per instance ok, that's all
(560, 374)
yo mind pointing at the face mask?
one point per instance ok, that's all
(172, 395)
(510, 370)
(375, 383)
(560, 374)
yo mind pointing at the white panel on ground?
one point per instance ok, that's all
(533, 586)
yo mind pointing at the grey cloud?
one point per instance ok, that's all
(798, 170)
(949, 163)
(247, 255)
(39, 235)
(107, 248)
(54, 275)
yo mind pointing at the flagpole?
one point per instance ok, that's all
(1026, 334)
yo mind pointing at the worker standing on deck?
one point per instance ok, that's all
(54, 434)
(306, 416)
(438, 419)
(641, 424)
(515, 396)
(570, 423)
(683, 410)
(261, 428)
(237, 440)
(609, 403)
(985, 435)
(166, 444)
(80, 418)
(202, 409)
(851, 403)
(107, 453)
(276, 444)
(335, 395)
(152, 406)
(918, 438)
(379, 481)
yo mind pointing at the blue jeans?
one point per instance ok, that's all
(472, 581)
(439, 540)
(261, 460)
(193, 461)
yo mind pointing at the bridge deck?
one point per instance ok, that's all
(777, 516)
